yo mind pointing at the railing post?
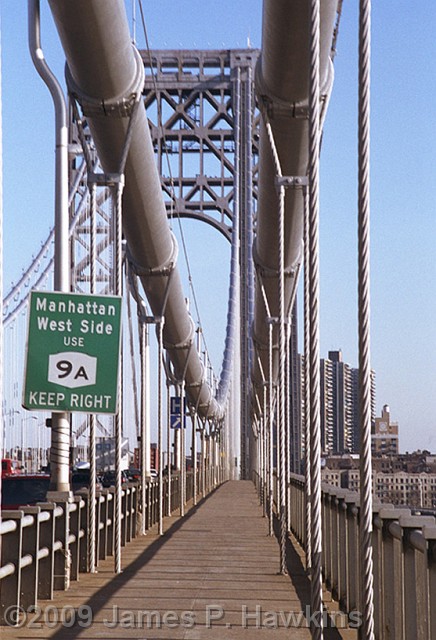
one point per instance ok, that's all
(84, 533)
(74, 545)
(101, 525)
(46, 541)
(377, 547)
(129, 512)
(393, 597)
(416, 609)
(146, 504)
(343, 551)
(330, 540)
(430, 536)
(110, 521)
(167, 493)
(10, 586)
(124, 514)
(350, 551)
(30, 545)
(302, 510)
(353, 586)
(335, 547)
(62, 560)
(135, 507)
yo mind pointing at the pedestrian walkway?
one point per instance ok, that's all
(212, 575)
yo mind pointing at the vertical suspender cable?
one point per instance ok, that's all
(307, 421)
(143, 346)
(160, 419)
(366, 562)
(169, 449)
(270, 427)
(145, 409)
(239, 256)
(261, 448)
(182, 450)
(281, 405)
(203, 461)
(92, 417)
(194, 456)
(118, 241)
(194, 436)
(264, 449)
(314, 371)
(247, 190)
(278, 453)
(282, 377)
(289, 444)
(119, 415)
(2, 432)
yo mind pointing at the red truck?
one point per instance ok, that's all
(10, 467)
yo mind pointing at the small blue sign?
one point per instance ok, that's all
(175, 405)
(176, 413)
(175, 421)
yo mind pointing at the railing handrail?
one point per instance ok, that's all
(404, 547)
(46, 545)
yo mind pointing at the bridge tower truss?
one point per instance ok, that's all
(204, 124)
(201, 109)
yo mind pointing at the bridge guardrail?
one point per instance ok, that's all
(404, 556)
(46, 546)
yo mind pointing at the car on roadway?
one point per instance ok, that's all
(80, 479)
(109, 478)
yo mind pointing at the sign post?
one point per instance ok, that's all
(73, 352)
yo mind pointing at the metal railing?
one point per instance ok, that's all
(404, 554)
(45, 547)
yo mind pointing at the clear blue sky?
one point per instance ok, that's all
(403, 183)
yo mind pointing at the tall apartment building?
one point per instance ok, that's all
(339, 384)
(339, 404)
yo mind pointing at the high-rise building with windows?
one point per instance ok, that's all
(339, 405)
(339, 399)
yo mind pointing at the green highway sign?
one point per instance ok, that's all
(73, 352)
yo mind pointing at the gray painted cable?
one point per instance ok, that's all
(92, 417)
(288, 443)
(270, 427)
(160, 419)
(365, 524)
(281, 408)
(314, 369)
(307, 386)
(282, 381)
(265, 450)
(182, 450)
(169, 448)
(118, 417)
(143, 348)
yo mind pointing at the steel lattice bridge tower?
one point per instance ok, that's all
(204, 125)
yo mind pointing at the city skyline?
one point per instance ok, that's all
(403, 185)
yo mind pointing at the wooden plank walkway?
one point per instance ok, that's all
(211, 576)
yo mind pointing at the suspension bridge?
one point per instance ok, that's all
(244, 539)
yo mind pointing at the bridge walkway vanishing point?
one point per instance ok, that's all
(213, 574)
